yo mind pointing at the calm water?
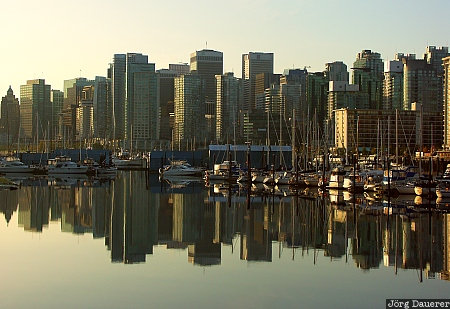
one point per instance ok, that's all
(134, 242)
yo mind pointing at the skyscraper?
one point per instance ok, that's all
(254, 63)
(102, 109)
(166, 97)
(368, 74)
(207, 64)
(393, 85)
(135, 99)
(35, 109)
(336, 71)
(57, 101)
(10, 116)
(229, 100)
(189, 110)
(420, 85)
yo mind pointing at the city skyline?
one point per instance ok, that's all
(324, 35)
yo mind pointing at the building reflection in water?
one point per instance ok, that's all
(135, 212)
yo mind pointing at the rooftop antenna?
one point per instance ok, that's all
(206, 44)
(80, 73)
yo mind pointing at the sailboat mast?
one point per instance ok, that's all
(396, 137)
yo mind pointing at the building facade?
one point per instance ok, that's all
(189, 112)
(35, 109)
(254, 63)
(10, 117)
(368, 75)
(446, 95)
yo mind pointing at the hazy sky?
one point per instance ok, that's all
(59, 40)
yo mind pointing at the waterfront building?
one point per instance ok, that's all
(207, 64)
(446, 96)
(228, 107)
(35, 109)
(370, 128)
(254, 63)
(10, 117)
(368, 75)
(189, 111)
(336, 71)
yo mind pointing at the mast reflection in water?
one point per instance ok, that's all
(134, 213)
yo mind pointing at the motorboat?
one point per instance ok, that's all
(63, 165)
(14, 166)
(124, 161)
(180, 168)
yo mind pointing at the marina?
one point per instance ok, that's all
(297, 238)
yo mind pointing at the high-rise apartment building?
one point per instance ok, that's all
(189, 110)
(368, 74)
(336, 71)
(393, 85)
(345, 95)
(35, 109)
(254, 63)
(420, 85)
(229, 101)
(10, 116)
(317, 95)
(446, 95)
(85, 115)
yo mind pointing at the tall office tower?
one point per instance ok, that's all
(85, 115)
(336, 71)
(10, 117)
(264, 81)
(343, 94)
(189, 110)
(118, 95)
(135, 103)
(207, 64)
(229, 101)
(72, 96)
(393, 85)
(180, 68)
(317, 96)
(254, 63)
(420, 85)
(368, 74)
(293, 88)
(102, 111)
(35, 109)
(446, 94)
(434, 56)
(57, 101)
(166, 96)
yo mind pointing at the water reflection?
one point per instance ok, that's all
(134, 213)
